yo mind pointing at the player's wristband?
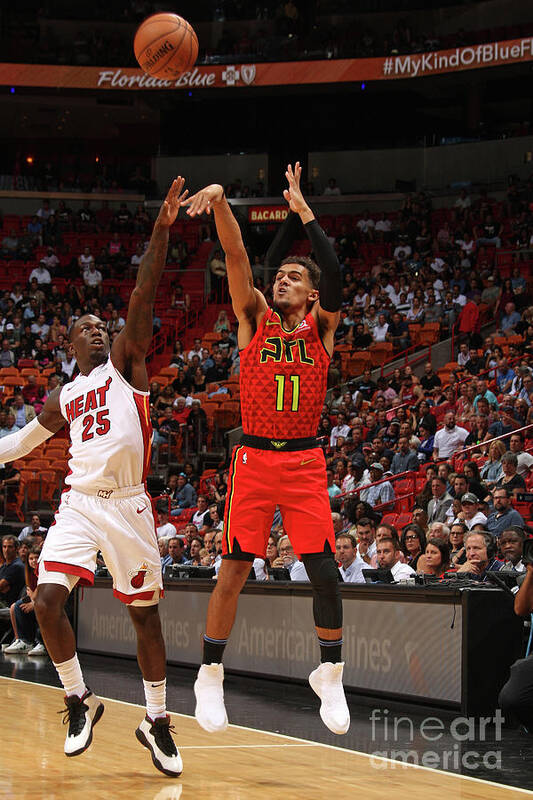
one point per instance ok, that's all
(19, 444)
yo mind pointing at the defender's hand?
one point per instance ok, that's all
(205, 199)
(172, 203)
(293, 195)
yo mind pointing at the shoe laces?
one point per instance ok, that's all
(74, 715)
(162, 732)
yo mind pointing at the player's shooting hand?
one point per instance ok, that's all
(293, 195)
(205, 199)
(172, 203)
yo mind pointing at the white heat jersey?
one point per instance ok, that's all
(110, 431)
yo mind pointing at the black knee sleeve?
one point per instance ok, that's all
(324, 577)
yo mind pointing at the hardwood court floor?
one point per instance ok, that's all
(241, 764)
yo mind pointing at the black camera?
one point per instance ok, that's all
(527, 552)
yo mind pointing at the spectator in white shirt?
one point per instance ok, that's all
(388, 556)
(380, 330)
(92, 277)
(402, 252)
(85, 259)
(450, 438)
(470, 513)
(41, 275)
(198, 517)
(525, 460)
(383, 225)
(196, 350)
(365, 532)
(68, 365)
(457, 297)
(351, 564)
(332, 188)
(340, 429)
(164, 528)
(366, 226)
(463, 356)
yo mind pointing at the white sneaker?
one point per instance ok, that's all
(19, 646)
(156, 735)
(38, 650)
(9, 644)
(210, 711)
(326, 682)
(82, 714)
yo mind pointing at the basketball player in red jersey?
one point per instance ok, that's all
(106, 506)
(285, 352)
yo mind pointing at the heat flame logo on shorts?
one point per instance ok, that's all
(138, 575)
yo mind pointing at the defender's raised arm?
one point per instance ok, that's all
(134, 340)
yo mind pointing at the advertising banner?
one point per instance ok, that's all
(389, 646)
(353, 70)
(267, 213)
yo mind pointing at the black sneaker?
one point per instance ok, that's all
(156, 735)
(81, 714)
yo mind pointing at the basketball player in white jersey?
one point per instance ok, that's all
(106, 506)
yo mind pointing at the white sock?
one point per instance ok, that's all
(156, 696)
(70, 676)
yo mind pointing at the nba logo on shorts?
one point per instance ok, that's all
(244, 458)
(138, 575)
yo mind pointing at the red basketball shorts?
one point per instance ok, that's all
(259, 481)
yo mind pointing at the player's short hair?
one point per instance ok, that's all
(311, 266)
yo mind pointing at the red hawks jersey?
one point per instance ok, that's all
(283, 379)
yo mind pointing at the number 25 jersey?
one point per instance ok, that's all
(283, 379)
(110, 430)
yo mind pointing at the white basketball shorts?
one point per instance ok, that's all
(121, 525)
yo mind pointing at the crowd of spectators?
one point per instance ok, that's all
(400, 271)
(276, 31)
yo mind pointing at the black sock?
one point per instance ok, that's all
(330, 650)
(213, 650)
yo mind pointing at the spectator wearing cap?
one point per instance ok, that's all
(382, 493)
(510, 478)
(503, 516)
(405, 459)
(490, 295)
(511, 548)
(470, 514)
(184, 496)
(450, 438)
(164, 527)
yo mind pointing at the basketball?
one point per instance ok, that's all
(165, 45)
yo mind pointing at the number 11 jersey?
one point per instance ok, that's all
(283, 379)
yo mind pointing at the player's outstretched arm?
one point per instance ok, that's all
(19, 444)
(248, 303)
(330, 291)
(132, 343)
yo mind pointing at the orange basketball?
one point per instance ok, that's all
(165, 45)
